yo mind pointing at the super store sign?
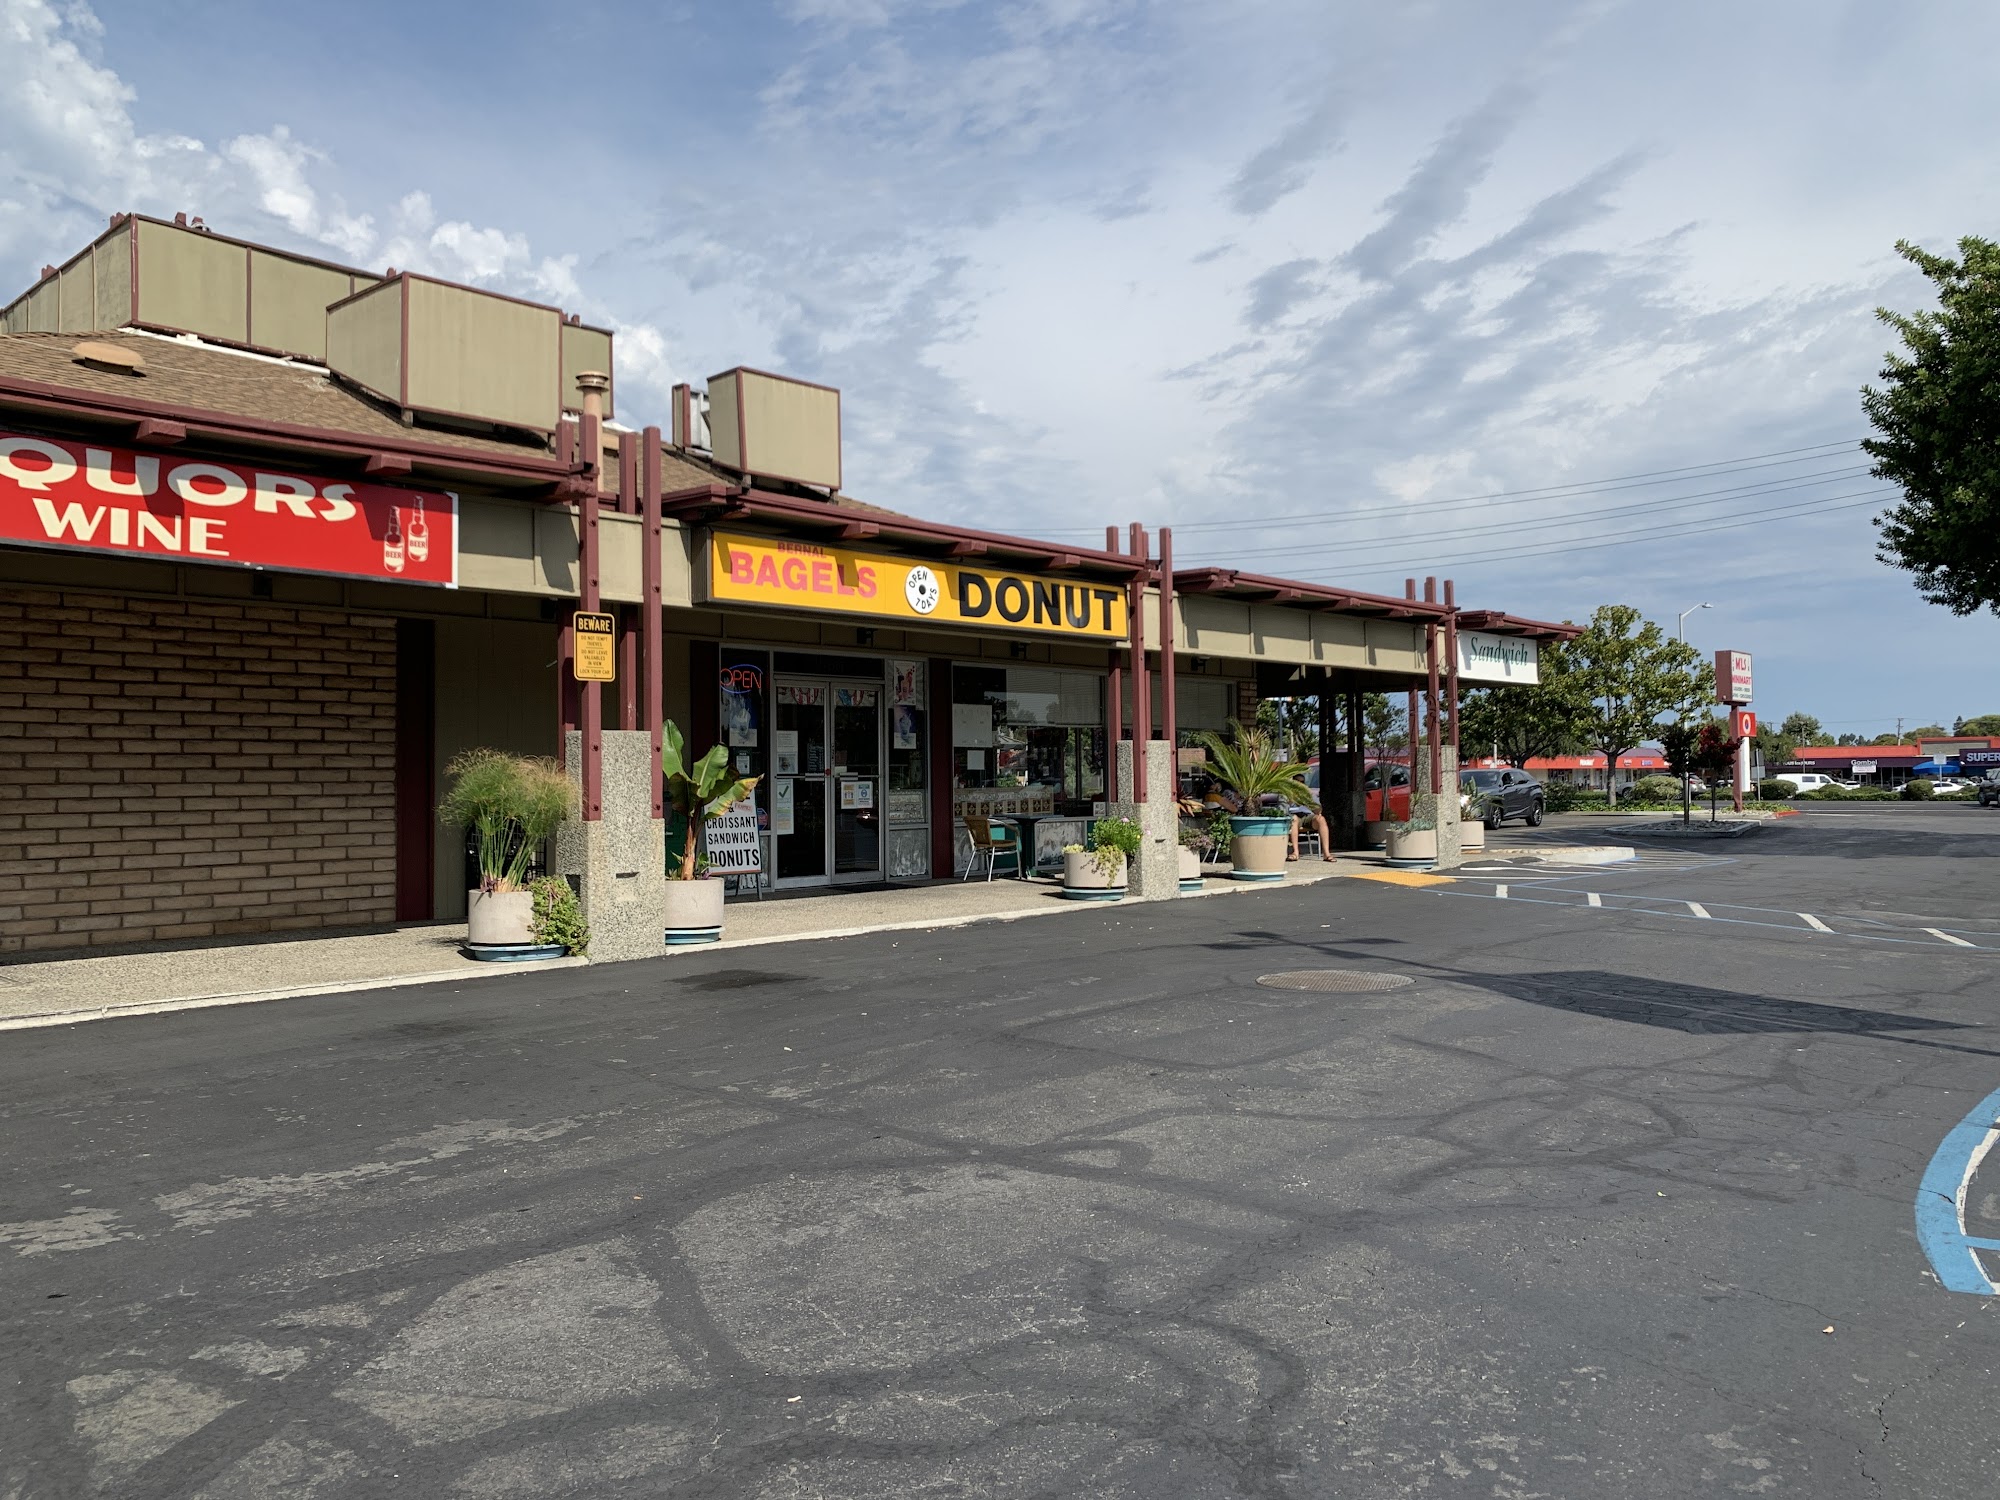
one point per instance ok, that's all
(76, 496)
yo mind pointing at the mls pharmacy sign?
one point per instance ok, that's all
(78, 497)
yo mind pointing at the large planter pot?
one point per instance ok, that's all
(1375, 834)
(693, 912)
(1472, 834)
(1257, 848)
(500, 927)
(1082, 880)
(1190, 870)
(1417, 848)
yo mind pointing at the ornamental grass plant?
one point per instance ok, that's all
(512, 803)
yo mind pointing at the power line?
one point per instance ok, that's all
(1778, 459)
(1704, 497)
(1397, 565)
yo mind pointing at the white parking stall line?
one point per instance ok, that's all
(1814, 922)
(1934, 932)
(1593, 899)
(1697, 908)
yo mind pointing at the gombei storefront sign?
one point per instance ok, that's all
(800, 575)
(81, 497)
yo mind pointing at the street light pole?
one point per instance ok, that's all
(1680, 634)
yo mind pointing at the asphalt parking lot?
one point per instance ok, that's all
(1533, 1196)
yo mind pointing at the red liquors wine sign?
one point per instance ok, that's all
(77, 496)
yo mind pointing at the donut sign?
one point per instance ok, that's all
(81, 497)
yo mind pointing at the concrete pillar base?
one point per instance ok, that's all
(1442, 807)
(619, 863)
(1156, 874)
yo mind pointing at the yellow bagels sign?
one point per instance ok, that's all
(802, 576)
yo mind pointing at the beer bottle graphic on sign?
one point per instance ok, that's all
(420, 534)
(392, 545)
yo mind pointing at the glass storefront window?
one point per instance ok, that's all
(1033, 736)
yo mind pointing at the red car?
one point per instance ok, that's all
(1380, 779)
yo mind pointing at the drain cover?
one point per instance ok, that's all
(1333, 981)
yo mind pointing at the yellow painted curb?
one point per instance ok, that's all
(1401, 877)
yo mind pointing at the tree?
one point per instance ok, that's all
(1629, 673)
(1935, 417)
(1928, 732)
(1523, 723)
(1850, 739)
(1804, 729)
(1979, 724)
(1293, 723)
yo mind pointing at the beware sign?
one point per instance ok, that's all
(596, 653)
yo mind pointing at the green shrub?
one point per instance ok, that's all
(1771, 789)
(558, 915)
(1657, 789)
(1917, 790)
(1561, 796)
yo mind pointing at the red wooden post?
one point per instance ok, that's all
(1142, 679)
(591, 720)
(1114, 701)
(1169, 727)
(652, 627)
(1431, 690)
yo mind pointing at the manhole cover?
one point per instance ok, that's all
(1333, 981)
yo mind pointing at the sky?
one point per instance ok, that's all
(1570, 303)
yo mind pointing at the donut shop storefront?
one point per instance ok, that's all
(882, 693)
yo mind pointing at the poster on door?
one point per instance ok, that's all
(781, 807)
(785, 746)
(733, 845)
(856, 795)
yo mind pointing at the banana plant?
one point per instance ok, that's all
(696, 793)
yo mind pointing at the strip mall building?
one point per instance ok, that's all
(279, 538)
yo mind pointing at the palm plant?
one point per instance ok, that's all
(512, 804)
(1250, 765)
(696, 793)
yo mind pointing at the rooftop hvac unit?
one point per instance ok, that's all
(690, 418)
(775, 428)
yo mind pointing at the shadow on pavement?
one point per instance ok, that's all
(1699, 1010)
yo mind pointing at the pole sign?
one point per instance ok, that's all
(805, 576)
(1743, 724)
(81, 498)
(595, 658)
(1732, 677)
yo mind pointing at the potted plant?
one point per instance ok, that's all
(1098, 873)
(1195, 845)
(558, 916)
(695, 793)
(512, 804)
(1471, 820)
(1413, 841)
(1249, 765)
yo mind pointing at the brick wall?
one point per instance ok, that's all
(176, 769)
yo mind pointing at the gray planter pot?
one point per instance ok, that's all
(501, 927)
(1416, 847)
(693, 912)
(1190, 869)
(1376, 834)
(1083, 881)
(1472, 834)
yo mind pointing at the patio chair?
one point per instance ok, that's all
(992, 843)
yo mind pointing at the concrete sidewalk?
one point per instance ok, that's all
(63, 991)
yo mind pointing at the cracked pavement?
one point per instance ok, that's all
(1082, 1210)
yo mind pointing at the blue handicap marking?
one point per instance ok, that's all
(1953, 1253)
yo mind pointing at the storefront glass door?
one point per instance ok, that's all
(826, 806)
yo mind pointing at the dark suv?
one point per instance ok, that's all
(1495, 796)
